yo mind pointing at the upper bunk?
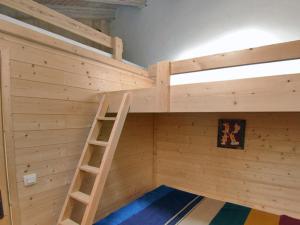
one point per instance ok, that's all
(110, 53)
(278, 93)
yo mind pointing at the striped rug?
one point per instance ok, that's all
(168, 206)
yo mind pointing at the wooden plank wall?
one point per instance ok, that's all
(3, 180)
(132, 170)
(261, 94)
(265, 176)
(54, 99)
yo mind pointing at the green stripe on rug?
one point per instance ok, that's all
(231, 214)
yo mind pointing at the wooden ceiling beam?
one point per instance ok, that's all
(137, 3)
(84, 12)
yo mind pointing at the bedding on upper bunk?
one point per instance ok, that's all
(168, 206)
(59, 37)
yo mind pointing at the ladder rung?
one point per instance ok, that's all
(98, 143)
(107, 118)
(90, 169)
(81, 197)
(69, 222)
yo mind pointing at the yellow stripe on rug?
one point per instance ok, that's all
(256, 217)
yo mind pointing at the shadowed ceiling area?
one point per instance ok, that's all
(90, 9)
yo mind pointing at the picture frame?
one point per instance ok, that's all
(231, 133)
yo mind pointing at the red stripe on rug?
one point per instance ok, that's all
(285, 220)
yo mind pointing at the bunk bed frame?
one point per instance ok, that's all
(262, 94)
(43, 13)
(150, 91)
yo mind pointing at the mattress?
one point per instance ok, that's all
(168, 206)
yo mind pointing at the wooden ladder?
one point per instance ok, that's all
(87, 202)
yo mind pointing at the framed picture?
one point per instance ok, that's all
(231, 133)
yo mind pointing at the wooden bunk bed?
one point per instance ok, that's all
(261, 94)
(184, 112)
(276, 96)
(50, 93)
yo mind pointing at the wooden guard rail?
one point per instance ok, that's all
(265, 54)
(52, 17)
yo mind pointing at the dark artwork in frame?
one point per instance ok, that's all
(231, 133)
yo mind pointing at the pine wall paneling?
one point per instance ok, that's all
(54, 98)
(265, 176)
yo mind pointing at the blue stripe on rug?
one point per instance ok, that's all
(162, 210)
(129, 210)
(185, 211)
(231, 214)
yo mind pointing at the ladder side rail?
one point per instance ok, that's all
(105, 166)
(102, 109)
